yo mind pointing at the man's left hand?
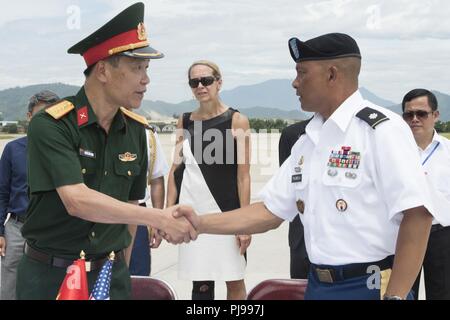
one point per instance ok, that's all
(154, 238)
(243, 242)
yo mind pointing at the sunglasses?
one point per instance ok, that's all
(205, 81)
(420, 114)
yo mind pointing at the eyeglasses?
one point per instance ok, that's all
(205, 81)
(420, 114)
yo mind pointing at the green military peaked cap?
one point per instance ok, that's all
(125, 34)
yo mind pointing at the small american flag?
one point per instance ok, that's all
(103, 282)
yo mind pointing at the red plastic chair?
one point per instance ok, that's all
(279, 289)
(147, 288)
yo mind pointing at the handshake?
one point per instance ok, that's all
(179, 224)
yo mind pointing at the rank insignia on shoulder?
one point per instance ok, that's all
(127, 157)
(60, 109)
(371, 116)
(135, 116)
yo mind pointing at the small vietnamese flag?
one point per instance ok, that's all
(75, 285)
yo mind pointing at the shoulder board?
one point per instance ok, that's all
(371, 116)
(60, 109)
(135, 116)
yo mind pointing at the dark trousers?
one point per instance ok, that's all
(39, 281)
(436, 266)
(365, 286)
(140, 262)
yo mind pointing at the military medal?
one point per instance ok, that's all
(341, 205)
(344, 158)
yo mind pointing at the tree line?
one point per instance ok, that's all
(267, 124)
(255, 124)
(441, 126)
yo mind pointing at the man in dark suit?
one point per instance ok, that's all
(299, 258)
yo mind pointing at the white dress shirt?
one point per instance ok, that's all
(435, 160)
(352, 213)
(160, 166)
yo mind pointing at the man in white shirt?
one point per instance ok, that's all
(355, 179)
(420, 111)
(145, 238)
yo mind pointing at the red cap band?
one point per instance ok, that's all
(101, 51)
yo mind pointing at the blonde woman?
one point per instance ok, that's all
(211, 172)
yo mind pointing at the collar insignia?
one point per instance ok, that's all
(82, 116)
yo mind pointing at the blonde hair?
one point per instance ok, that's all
(216, 71)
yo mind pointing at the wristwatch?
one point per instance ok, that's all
(387, 297)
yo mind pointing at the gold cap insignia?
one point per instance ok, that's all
(127, 156)
(142, 33)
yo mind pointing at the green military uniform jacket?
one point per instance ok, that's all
(67, 146)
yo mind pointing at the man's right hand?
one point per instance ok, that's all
(177, 230)
(2, 246)
(188, 213)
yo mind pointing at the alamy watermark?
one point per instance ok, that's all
(232, 146)
(73, 21)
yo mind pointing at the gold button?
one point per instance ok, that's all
(129, 172)
(106, 173)
(93, 234)
(83, 171)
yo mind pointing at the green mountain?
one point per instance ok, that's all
(13, 102)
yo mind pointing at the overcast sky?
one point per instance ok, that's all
(404, 43)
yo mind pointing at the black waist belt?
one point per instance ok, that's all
(436, 227)
(46, 258)
(330, 274)
(18, 217)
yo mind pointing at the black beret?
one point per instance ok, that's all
(125, 34)
(327, 46)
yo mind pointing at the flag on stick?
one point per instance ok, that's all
(103, 282)
(75, 285)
